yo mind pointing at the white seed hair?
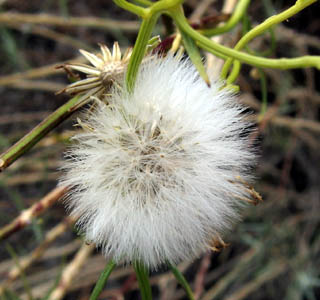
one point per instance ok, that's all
(153, 172)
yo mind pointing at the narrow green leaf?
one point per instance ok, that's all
(184, 283)
(194, 54)
(102, 280)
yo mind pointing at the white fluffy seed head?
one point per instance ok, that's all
(153, 174)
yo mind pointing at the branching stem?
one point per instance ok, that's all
(213, 47)
(268, 23)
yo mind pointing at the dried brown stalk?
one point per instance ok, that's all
(70, 272)
(35, 210)
(30, 178)
(272, 117)
(35, 72)
(26, 261)
(46, 19)
(200, 276)
(23, 117)
(51, 34)
(40, 85)
(224, 281)
(214, 64)
(273, 270)
(296, 123)
(200, 10)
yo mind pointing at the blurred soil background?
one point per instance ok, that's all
(273, 254)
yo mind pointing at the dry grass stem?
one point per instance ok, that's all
(214, 64)
(36, 72)
(200, 10)
(201, 274)
(70, 271)
(46, 19)
(26, 261)
(32, 177)
(35, 210)
(225, 280)
(39, 85)
(273, 270)
(51, 34)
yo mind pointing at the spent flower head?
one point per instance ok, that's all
(106, 69)
(155, 172)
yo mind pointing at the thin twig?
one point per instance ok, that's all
(202, 271)
(296, 123)
(272, 117)
(41, 85)
(293, 36)
(110, 24)
(214, 64)
(54, 252)
(70, 271)
(274, 269)
(30, 178)
(200, 9)
(51, 34)
(293, 123)
(23, 117)
(224, 281)
(40, 72)
(35, 210)
(26, 261)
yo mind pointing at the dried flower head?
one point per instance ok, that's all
(106, 69)
(155, 171)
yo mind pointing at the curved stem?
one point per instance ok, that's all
(140, 11)
(234, 73)
(184, 283)
(232, 22)
(143, 280)
(276, 19)
(211, 46)
(162, 5)
(264, 104)
(102, 280)
(144, 2)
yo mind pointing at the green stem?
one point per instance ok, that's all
(184, 283)
(211, 46)
(102, 280)
(140, 11)
(163, 5)
(264, 104)
(238, 13)
(268, 23)
(143, 2)
(139, 50)
(34, 136)
(143, 280)
(149, 15)
(234, 73)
